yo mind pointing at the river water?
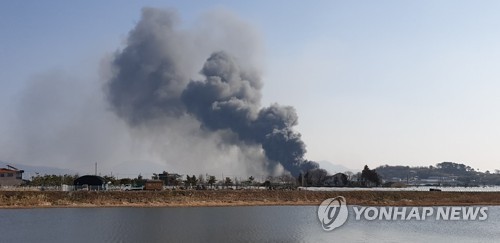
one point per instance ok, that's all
(227, 224)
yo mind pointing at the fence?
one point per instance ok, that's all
(60, 188)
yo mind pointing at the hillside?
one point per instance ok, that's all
(445, 173)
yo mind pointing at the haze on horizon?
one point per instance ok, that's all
(386, 82)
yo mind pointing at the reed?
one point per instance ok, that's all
(179, 198)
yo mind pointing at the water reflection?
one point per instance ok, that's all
(226, 224)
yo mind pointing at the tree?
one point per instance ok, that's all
(228, 182)
(315, 177)
(212, 180)
(368, 175)
(111, 179)
(249, 182)
(138, 181)
(194, 180)
(53, 180)
(190, 181)
(125, 181)
(267, 184)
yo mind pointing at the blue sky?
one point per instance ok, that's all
(373, 82)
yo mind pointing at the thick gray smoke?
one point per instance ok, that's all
(229, 99)
(149, 78)
(151, 81)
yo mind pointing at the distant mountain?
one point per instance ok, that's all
(30, 170)
(334, 168)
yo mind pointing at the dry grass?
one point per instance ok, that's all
(28, 199)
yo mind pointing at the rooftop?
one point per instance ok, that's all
(5, 170)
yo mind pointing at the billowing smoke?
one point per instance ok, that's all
(149, 79)
(229, 99)
(152, 80)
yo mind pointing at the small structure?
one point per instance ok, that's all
(339, 179)
(90, 182)
(169, 179)
(11, 176)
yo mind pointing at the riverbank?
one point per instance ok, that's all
(179, 198)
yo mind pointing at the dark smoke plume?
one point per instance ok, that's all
(148, 80)
(149, 83)
(229, 99)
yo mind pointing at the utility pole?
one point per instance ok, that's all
(95, 168)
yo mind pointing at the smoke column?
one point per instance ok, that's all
(152, 80)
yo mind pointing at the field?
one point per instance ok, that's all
(179, 198)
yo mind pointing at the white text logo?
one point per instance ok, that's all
(332, 213)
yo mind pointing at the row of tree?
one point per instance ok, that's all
(314, 177)
(320, 177)
(193, 181)
(463, 174)
(52, 180)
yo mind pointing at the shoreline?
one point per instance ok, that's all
(230, 198)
